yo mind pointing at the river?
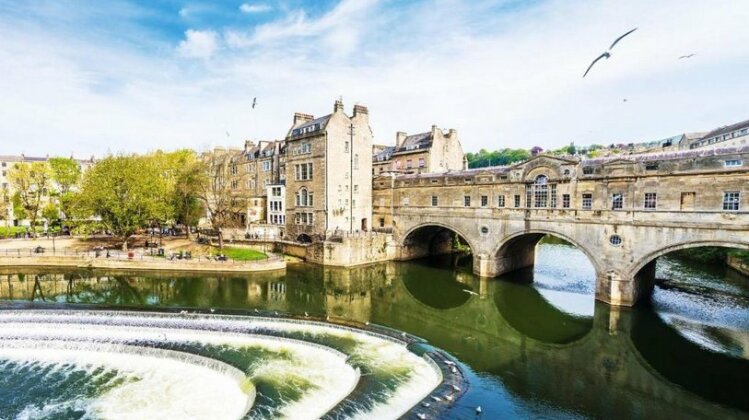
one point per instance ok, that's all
(534, 344)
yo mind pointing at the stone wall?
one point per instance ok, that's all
(738, 264)
(352, 250)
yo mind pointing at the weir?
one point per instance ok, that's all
(301, 368)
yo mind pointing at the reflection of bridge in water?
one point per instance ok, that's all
(616, 363)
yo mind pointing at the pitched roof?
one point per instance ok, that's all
(660, 156)
(310, 126)
(727, 129)
(384, 154)
(415, 141)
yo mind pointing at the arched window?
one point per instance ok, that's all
(541, 191)
(304, 198)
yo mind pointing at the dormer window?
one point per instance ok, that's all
(587, 170)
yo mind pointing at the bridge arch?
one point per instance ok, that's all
(642, 270)
(431, 238)
(517, 250)
(653, 255)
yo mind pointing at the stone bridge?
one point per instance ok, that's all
(623, 213)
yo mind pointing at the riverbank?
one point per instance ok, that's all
(144, 263)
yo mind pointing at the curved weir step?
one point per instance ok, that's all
(385, 378)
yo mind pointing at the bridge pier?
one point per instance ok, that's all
(613, 289)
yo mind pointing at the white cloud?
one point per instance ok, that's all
(503, 80)
(339, 29)
(250, 8)
(198, 44)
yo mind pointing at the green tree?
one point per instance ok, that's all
(31, 182)
(51, 212)
(221, 203)
(67, 175)
(5, 209)
(502, 157)
(125, 192)
(190, 180)
(17, 205)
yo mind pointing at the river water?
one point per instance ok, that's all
(534, 344)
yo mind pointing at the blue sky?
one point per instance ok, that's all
(89, 77)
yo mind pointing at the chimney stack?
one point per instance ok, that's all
(338, 106)
(302, 118)
(399, 138)
(248, 145)
(361, 110)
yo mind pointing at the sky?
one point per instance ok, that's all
(119, 76)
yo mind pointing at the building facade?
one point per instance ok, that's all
(276, 194)
(734, 135)
(429, 152)
(6, 187)
(328, 174)
(680, 181)
(253, 169)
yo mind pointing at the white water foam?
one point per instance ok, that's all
(162, 384)
(381, 353)
(326, 369)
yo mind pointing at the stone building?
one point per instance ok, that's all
(276, 193)
(6, 188)
(328, 174)
(626, 183)
(734, 135)
(429, 152)
(253, 169)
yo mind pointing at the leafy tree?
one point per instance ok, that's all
(51, 212)
(67, 175)
(125, 192)
(220, 201)
(18, 211)
(30, 181)
(190, 181)
(6, 209)
(502, 157)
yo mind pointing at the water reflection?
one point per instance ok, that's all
(534, 349)
(708, 305)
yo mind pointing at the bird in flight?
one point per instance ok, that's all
(227, 134)
(687, 56)
(254, 102)
(607, 54)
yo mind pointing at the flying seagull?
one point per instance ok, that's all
(687, 56)
(607, 54)
(227, 134)
(254, 102)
